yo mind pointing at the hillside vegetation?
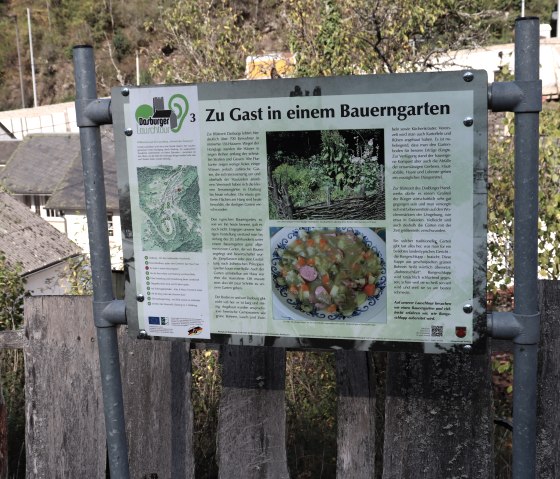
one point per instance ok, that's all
(205, 40)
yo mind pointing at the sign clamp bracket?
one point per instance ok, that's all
(515, 96)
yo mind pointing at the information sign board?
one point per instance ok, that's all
(343, 211)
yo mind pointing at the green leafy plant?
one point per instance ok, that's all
(12, 289)
(122, 45)
(206, 41)
(311, 414)
(300, 181)
(365, 36)
(79, 275)
(335, 159)
(346, 167)
(501, 196)
(502, 383)
(206, 390)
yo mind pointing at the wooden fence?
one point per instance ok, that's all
(438, 420)
(358, 207)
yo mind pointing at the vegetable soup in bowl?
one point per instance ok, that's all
(328, 274)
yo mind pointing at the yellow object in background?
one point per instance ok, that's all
(274, 65)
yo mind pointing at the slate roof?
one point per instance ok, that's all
(7, 147)
(69, 195)
(51, 164)
(28, 239)
(39, 163)
(5, 133)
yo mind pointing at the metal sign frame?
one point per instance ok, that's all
(522, 96)
(235, 98)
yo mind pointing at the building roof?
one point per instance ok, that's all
(5, 133)
(7, 147)
(39, 163)
(69, 195)
(28, 239)
(51, 164)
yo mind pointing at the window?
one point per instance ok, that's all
(110, 227)
(49, 212)
(36, 206)
(52, 213)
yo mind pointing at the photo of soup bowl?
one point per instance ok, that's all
(329, 274)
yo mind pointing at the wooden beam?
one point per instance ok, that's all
(355, 415)
(548, 382)
(65, 429)
(438, 416)
(159, 413)
(252, 415)
(12, 339)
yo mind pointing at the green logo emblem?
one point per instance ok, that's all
(158, 119)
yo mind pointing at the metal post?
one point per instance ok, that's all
(137, 69)
(90, 140)
(525, 254)
(35, 104)
(19, 62)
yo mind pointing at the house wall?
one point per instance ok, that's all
(491, 58)
(49, 281)
(77, 231)
(60, 118)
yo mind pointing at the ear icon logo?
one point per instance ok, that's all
(180, 106)
(156, 118)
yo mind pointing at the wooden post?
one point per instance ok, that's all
(252, 415)
(548, 381)
(65, 430)
(438, 417)
(158, 408)
(355, 415)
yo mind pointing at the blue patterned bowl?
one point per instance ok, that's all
(287, 307)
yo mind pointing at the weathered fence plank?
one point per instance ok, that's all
(355, 415)
(158, 409)
(438, 420)
(252, 415)
(65, 430)
(12, 339)
(438, 417)
(548, 383)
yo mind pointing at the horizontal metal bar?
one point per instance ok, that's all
(93, 112)
(521, 328)
(115, 312)
(517, 96)
(503, 325)
(99, 111)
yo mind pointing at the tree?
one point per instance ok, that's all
(380, 36)
(206, 41)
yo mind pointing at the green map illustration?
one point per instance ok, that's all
(170, 208)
